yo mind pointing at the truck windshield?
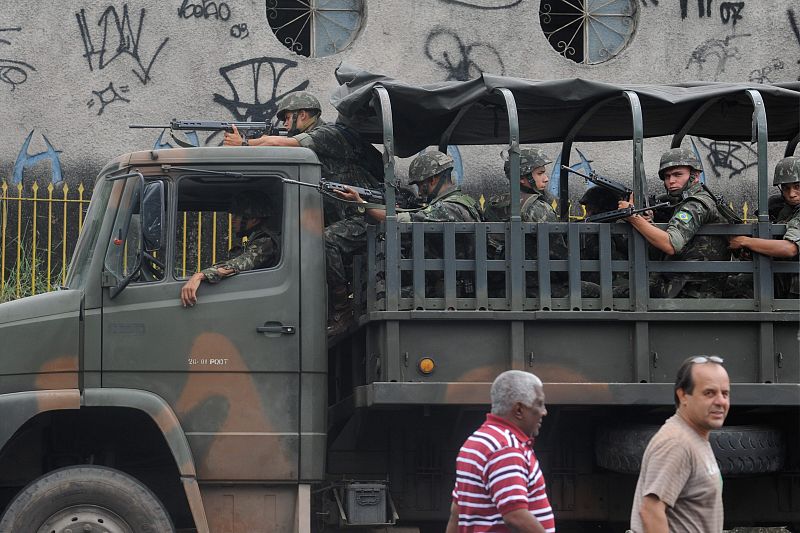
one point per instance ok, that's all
(84, 249)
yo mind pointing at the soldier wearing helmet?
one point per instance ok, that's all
(431, 172)
(249, 213)
(787, 179)
(695, 207)
(534, 203)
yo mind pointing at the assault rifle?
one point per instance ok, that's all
(622, 192)
(248, 130)
(616, 214)
(406, 199)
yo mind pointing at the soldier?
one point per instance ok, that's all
(533, 181)
(695, 207)
(345, 158)
(432, 173)
(787, 178)
(250, 211)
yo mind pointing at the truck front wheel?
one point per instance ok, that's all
(86, 498)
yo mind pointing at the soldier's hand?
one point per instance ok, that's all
(232, 139)
(737, 242)
(349, 194)
(189, 289)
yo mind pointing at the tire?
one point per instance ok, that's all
(738, 449)
(86, 498)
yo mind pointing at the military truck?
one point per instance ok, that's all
(121, 410)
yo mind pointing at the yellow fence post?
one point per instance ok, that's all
(4, 188)
(64, 238)
(19, 237)
(33, 248)
(49, 232)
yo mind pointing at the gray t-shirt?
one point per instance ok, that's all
(680, 469)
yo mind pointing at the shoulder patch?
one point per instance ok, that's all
(683, 216)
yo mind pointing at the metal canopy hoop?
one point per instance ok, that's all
(392, 236)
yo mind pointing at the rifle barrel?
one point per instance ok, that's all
(148, 126)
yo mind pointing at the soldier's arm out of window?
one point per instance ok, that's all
(452, 523)
(522, 521)
(770, 247)
(189, 289)
(653, 513)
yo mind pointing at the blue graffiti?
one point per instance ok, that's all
(697, 155)
(458, 169)
(584, 166)
(26, 160)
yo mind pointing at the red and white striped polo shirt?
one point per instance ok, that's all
(496, 473)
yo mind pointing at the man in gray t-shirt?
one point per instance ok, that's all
(680, 486)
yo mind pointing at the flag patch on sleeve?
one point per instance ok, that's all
(683, 216)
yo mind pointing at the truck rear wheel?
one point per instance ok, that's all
(86, 499)
(738, 449)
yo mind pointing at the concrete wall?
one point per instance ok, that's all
(74, 74)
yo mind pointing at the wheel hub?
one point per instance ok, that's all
(85, 519)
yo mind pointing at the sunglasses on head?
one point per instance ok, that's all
(700, 359)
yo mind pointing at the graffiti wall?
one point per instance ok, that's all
(74, 74)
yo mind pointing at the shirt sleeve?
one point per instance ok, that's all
(793, 229)
(667, 470)
(257, 254)
(685, 223)
(506, 476)
(324, 142)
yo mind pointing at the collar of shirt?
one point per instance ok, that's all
(502, 422)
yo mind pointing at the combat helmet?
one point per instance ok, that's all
(250, 204)
(787, 171)
(427, 165)
(678, 157)
(295, 102)
(529, 159)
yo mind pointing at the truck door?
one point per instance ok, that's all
(229, 365)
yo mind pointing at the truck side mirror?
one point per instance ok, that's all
(152, 215)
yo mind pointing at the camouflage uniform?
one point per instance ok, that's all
(345, 159)
(453, 206)
(788, 285)
(696, 210)
(262, 250)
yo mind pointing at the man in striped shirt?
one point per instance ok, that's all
(499, 484)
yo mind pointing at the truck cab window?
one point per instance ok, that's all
(218, 219)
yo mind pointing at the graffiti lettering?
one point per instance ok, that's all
(719, 50)
(644, 2)
(239, 31)
(459, 61)
(26, 160)
(107, 96)
(731, 11)
(703, 8)
(485, 4)
(13, 72)
(795, 29)
(205, 10)
(761, 75)
(119, 39)
(261, 75)
(729, 156)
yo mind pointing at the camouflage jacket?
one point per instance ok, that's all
(345, 159)
(692, 213)
(262, 250)
(789, 284)
(452, 206)
(537, 205)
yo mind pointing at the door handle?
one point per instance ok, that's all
(276, 327)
